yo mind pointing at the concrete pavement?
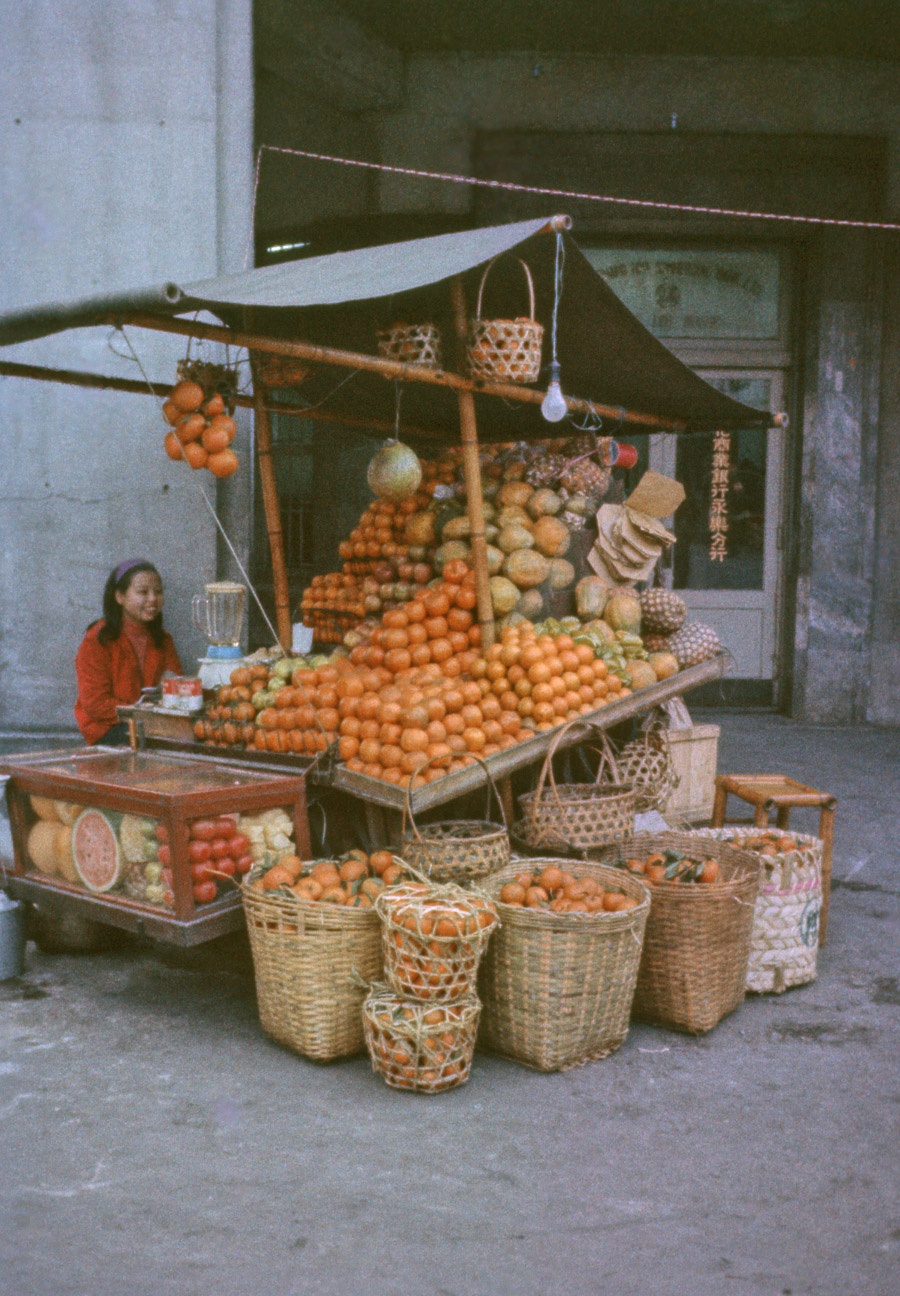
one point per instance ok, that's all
(154, 1142)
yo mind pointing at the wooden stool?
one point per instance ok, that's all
(768, 792)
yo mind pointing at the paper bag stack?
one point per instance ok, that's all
(630, 536)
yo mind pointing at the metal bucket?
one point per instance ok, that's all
(12, 940)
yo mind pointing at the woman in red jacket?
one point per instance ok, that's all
(126, 651)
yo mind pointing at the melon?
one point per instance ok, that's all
(504, 595)
(623, 612)
(513, 538)
(551, 537)
(67, 811)
(43, 807)
(65, 863)
(42, 845)
(543, 502)
(450, 551)
(515, 492)
(526, 568)
(514, 517)
(562, 574)
(495, 559)
(457, 528)
(640, 673)
(665, 664)
(531, 605)
(98, 860)
(590, 597)
(394, 472)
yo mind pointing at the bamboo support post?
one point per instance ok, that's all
(472, 473)
(263, 428)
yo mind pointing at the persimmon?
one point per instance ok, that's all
(172, 446)
(186, 396)
(194, 454)
(222, 464)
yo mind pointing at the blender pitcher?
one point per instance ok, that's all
(219, 614)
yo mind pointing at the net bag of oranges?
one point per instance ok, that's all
(433, 939)
(423, 1047)
(505, 350)
(558, 980)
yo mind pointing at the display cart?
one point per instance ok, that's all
(115, 804)
(622, 373)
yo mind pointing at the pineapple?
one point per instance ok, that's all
(693, 644)
(662, 611)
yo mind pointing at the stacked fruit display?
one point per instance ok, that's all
(354, 880)
(202, 429)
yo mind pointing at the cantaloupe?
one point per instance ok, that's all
(515, 492)
(512, 538)
(67, 811)
(44, 807)
(551, 537)
(562, 574)
(65, 863)
(42, 845)
(504, 595)
(514, 516)
(526, 568)
(495, 559)
(543, 502)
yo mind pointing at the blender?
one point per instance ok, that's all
(219, 613)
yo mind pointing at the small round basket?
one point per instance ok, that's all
(557, 987)
(307, 958)
(417, 344)
(433, 939)
(505, 350)
(583, 816)
(456, 850)
(416, 1046)
(646, 764)
(784, 942)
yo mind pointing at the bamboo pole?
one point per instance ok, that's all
(388, 369)
(468, 432)
(263, 428)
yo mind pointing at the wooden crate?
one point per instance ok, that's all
(694, 754)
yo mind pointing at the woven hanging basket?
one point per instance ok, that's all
(280, 371)
(307, 958)
(583, 816)
(419, 1046)
(417, 344)
(784, 943)
(697, 943)
(646, 763)
(557, 988)
(505, 350)
(456, 850)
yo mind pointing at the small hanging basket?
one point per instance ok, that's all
(456, 850)
(646, 763)
(417, 344)
(280, 371)
(579, 815)
(505, 350)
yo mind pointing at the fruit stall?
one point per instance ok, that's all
(486, 614)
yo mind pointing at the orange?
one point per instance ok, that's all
(223, 463)
(195, 455)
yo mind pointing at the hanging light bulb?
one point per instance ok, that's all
(553, 406)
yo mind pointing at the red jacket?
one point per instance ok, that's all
(109, 675)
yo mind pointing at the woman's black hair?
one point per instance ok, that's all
(112, 608)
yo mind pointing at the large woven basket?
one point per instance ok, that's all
(307, 960)
(697, 943)
(583, 816)
(784, 943)
(557, 988)
(456, 850)
(505, 350)
(419, 1046)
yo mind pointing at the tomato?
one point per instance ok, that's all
(204, 829)
(226, 865)
(204, 892)
(220, 848)
(164, 855)
(239, 845)
(225, 826)
(198, 851)
(162, 832)
(201, 873)
(244, 864)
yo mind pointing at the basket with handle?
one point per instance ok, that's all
(505, 350)
(456, 850)
(646, 763)
(417, 344)
(581, 816)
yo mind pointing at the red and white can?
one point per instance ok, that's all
(182, 692)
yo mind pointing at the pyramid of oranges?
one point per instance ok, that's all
(201, 429)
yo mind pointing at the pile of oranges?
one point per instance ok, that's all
(559, 890)
(355, 880)
(202, 430)
(379, 533)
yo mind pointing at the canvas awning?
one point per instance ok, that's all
(340, 300)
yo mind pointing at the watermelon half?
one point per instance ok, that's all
(95, 850)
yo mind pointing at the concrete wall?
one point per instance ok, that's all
(126, 154)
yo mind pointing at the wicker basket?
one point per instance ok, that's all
(417, 344)
(505, 350)
(784, 942)
(456, 850)
(584, 816)
(418, 1046)
(697, 944)
(557, 987)
(646, 763)
(307, 958)
(434, 937)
